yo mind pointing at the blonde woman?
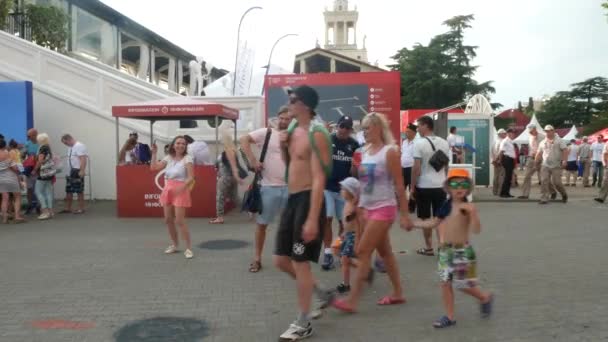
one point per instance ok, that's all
(45, 172)
(9, 184)
(229, 174)
(380, 178)
(175, 198)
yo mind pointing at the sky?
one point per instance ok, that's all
(527, 47)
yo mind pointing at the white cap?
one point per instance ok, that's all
(351, 185)
(549, 128)
(530, 126)
(501, 131)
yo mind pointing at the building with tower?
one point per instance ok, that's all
(340, 53)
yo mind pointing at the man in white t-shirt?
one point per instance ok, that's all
(596, 150)
(572, 165)
(604, 189)
(274, 189)
(407, 154)
(77, 165)
(427, 186)
(455, 143)
(507, 160)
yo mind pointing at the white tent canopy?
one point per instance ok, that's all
(223, 86)
(572, 134)
(524, 137)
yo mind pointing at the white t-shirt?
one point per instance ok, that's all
(507, 148)
(496, 148)
(604, 153)
(176, 169)
(274, 166)
(200, 153)
(597, 149)
(429, 178)
(407, 153)
(74, 154)
(573, 153)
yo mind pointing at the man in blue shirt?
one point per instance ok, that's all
(344, 147)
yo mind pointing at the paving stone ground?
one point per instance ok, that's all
(545, 265)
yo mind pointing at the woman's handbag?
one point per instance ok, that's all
(252, 200)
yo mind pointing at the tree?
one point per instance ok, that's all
(440, 74)
(591, 95)
(530, 107)
(558, 111)
(5, 8)
(49, 26)
(605, 5)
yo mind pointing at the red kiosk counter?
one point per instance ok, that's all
(138, 188)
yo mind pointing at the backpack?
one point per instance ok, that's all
(314, 127)
(143, 153)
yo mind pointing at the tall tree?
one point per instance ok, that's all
(530, 107)
(559, 111)
(591, 95)
(440, 74)
(605, 5)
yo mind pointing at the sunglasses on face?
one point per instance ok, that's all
(293, 99)
(344, 126)
(459, 185)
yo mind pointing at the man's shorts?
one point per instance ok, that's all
(30, 181)
(289, 235)
(334, 204)
(73, 183)
(457, 264)
(348, 245)
(274, 199)
(428, 201)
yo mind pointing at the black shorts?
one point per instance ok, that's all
(289, 235)
(429, 201)
(74, 184)
(407, 176)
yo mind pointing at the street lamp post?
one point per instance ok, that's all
(270, 56)
(238, 38)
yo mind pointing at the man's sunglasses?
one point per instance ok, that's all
(293, 99)
(459, 184)
(344, 126)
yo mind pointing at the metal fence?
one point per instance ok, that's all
(18, 25)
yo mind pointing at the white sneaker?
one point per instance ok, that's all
(170, 250)
(44, 216)
(296, 332)
(188, 254)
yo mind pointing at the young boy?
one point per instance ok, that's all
(455, 220)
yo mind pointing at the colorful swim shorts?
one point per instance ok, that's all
(457, 264)
(348, 245)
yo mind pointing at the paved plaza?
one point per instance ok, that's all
(95, 277)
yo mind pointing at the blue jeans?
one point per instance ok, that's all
(334, 204)
(44, 193)
(598, 173)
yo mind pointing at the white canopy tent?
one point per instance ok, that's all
(572, 134)
(524, 137)
(223, 85)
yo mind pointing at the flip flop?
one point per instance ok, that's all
(216, 221)
(388, 300)
(426, 251)
(341, 305)
(255, 267)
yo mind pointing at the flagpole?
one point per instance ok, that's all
(270, 57)
(238, 38)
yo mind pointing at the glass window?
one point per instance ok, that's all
(93, 38)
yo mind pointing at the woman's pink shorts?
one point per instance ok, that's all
(382, 214)
(169, 196)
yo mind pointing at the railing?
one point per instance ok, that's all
(18, 25)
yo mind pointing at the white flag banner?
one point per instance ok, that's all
(244, 68)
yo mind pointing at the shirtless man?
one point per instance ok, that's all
(307, 153)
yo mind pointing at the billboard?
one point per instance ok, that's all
(16, 110)
(350, 93)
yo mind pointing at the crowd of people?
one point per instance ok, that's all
(28, 172)
(549, 158)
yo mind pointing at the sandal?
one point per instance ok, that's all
(341, 305)
(19, 220)
(255, 267)
(443, 322)
(217, 221)
(426, 251)
(388, 300)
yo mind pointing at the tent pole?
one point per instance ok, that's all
(151, 132)
(117, 142)
(217, 147)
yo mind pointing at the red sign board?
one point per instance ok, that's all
(347, 93)
(139, 191)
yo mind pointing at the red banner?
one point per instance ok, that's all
(346, 93)
(139, 191)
